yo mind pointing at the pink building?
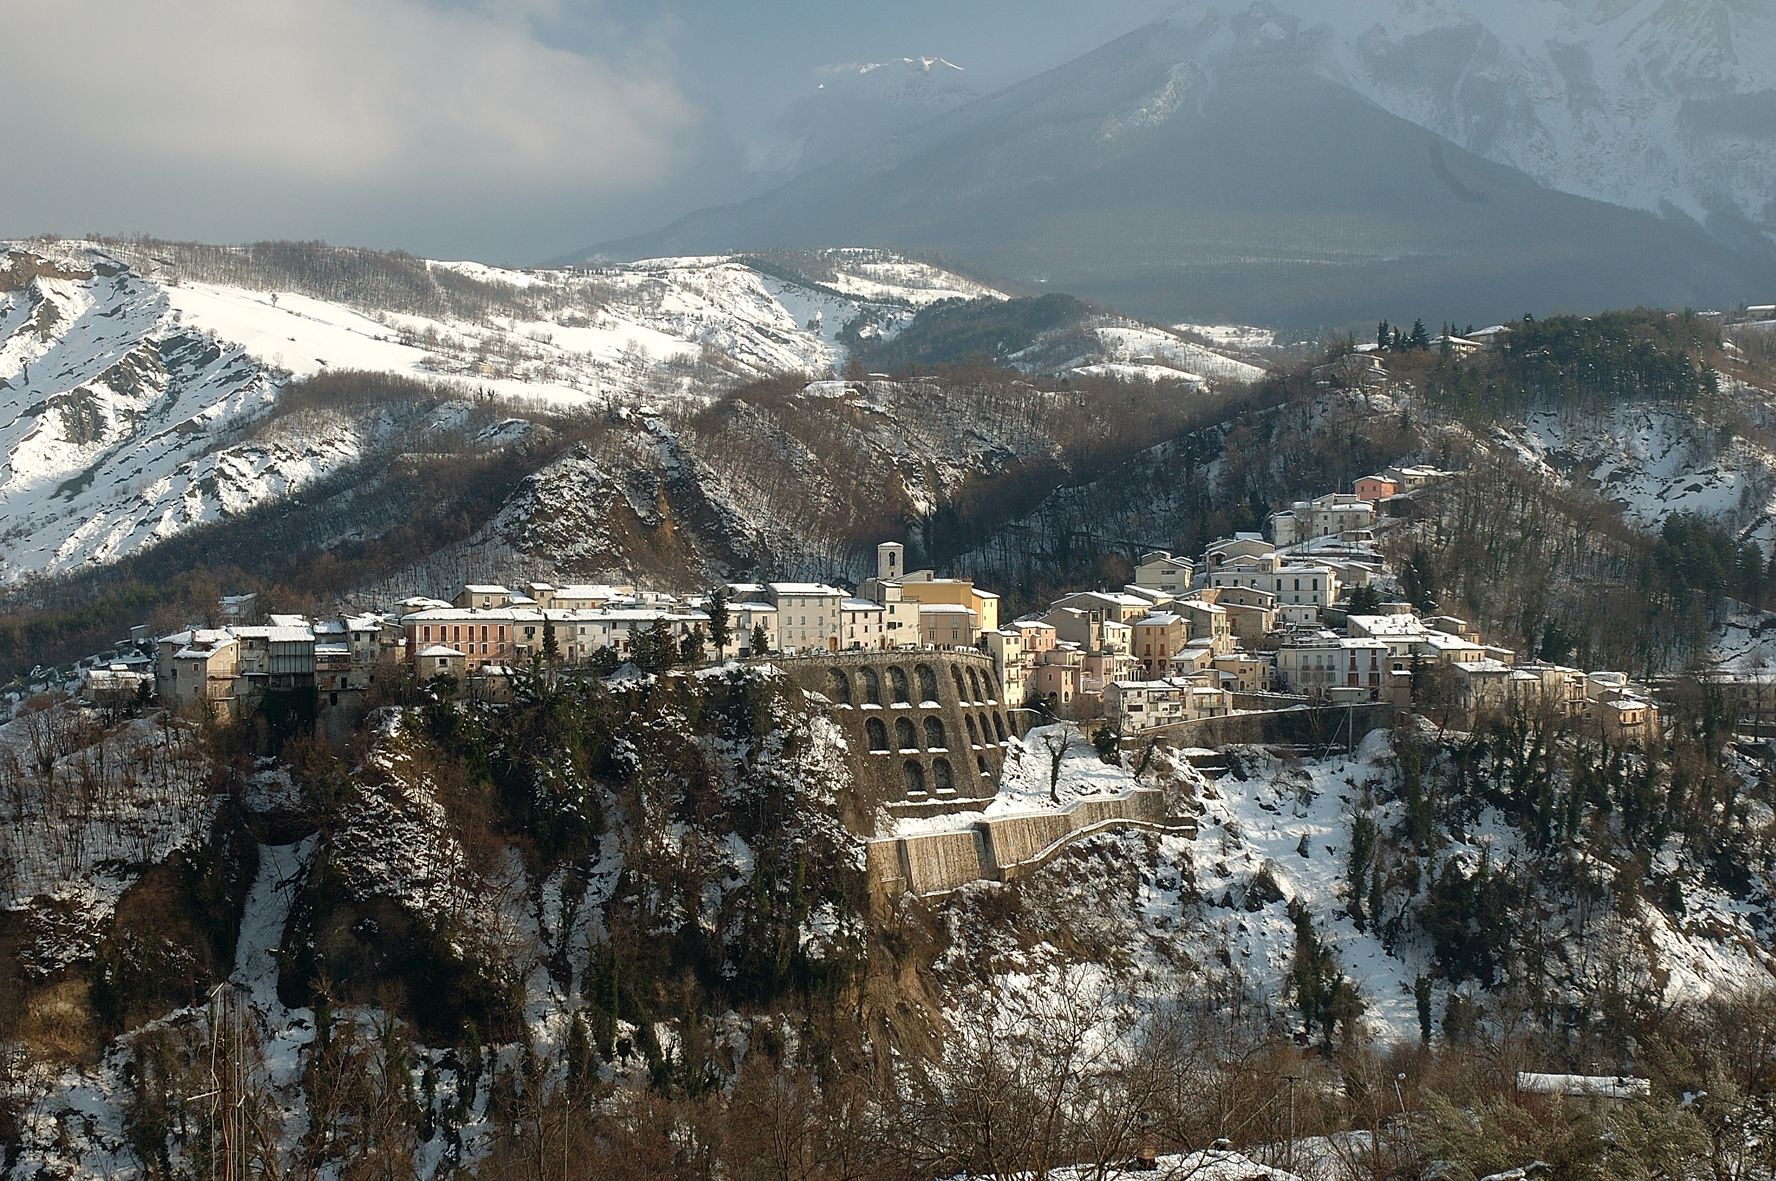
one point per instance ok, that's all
(1375, 488)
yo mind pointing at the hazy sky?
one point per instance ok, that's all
(508, 131)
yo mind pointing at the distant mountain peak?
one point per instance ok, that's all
(855, 104)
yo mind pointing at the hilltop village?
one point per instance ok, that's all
(1308, 613)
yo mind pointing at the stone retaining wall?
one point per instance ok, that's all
(1001, 848)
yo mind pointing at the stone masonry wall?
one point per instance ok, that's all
(1001, 848)
(926, 728)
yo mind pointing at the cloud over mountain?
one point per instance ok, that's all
(231, 120)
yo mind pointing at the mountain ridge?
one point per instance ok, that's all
(1216, 171)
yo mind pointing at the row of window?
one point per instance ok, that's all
(974, 689)
(458, 636)
(906, 736)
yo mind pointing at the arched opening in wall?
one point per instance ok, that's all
(912, 776)
(973, 731)
(904, 736)
(841, 687)
(927, 683)
(878, 734)
(961, 689)
(935, 738)
(980, 761)
(942, 778)
(872, 687)
(974, 682)
(897, 685)
(999, 725)
(992, 683)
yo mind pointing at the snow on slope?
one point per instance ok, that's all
(133, 399)
(1651, 104)
(1166, 912)
(1657, 460)
(1107, 345)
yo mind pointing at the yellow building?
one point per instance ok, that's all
(925, 589)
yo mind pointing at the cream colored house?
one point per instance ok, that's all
(862, 625)
(808, 615)
(196, 669)
(1160, 571)
(1156, 639)
(947, 625)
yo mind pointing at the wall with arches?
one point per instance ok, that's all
(927, 730)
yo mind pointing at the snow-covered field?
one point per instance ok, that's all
(1112, 346)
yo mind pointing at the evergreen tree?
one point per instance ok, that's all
(1418, 580)
(720, 625)
(761, 643)
(1382, 335)
(1420, 339)
(551, 646)
(690, 649)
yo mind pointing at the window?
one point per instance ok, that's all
(897, 684)
(973, 732)
(904, 735)
(942, 778)
(927, 683)
(912, 777)
(877, 733)
(935, 738)
(841, 687)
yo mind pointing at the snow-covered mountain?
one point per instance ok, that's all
(1652, 104)
(857, 104)
(137, 399)
(1283, 161)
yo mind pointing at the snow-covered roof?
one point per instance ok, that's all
(588, 590)
(1387, 625)
(807, 588)
(860, 605)
(275, 635)
(439, 650)
(485, 588)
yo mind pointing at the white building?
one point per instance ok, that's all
(1325, 516)
(1317, 664)
(1302, 590)
(809, 618)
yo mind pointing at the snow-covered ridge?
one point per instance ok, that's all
(134, 398)
(1650, 104)
(855, 104)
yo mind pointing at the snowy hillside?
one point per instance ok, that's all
(1651, 104)
(1274, 840)
(134, 397)
(1657, 460)
(1112, 346)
